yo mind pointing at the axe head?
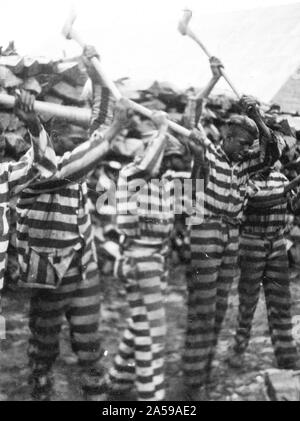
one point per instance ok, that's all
(184, 22)
(67, 28)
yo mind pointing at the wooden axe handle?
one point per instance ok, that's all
(117, 95)
(191, 34)
(96, 63)
(106, 80)
(136, 107)
(230, 83)
(75, 115)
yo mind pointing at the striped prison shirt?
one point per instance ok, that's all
(260, 218)
(144, 204)
(39, 161)
(53, 217)
(226, 183)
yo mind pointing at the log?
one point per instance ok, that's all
(67, 92)
(71, 73)
(14, 63)
(75, 115)
(8, 79)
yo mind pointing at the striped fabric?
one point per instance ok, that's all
(53, 216)
(57, 256)
(266, 220)
(214, 247)
(50, 227)
(140, 358)
(214, 252)
(264, 262)
(145, 217)
(102, 108)
(77, 299)
(225, 190)
(144, 206)
(39, 161)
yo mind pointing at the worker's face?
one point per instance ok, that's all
(237, 144)
(65, 139)
(173, 162)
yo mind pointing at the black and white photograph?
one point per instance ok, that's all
(150, 203)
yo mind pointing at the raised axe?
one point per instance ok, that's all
(184, 29)
(75, 115)
(70, 32)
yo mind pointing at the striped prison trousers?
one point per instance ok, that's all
(264, 262)
(214, 254)
(140, 358)
(79, 301)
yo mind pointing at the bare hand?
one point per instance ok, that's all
(24, 109)
(196, 142)
(89, 52)
(250, 106)
(160, 119)
(216, 66)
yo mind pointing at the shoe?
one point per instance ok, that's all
(236, 359)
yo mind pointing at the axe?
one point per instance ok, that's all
(70, 33)
(183, 28)
(75, 115)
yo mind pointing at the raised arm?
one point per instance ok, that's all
(194, 106)
(200, 148)
(74, 165)
(270, 143)
(102, 101)
(40, 160)
(215, 65)
(153, 155)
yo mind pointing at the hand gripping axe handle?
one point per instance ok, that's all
(183, 28)
(70, 33)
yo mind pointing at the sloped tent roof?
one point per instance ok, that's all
(260, 48)
(288, 96)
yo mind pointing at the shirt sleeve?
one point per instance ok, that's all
(265, 156)
(102, 108)
(38, 162)
(152, 157)
(74, 165)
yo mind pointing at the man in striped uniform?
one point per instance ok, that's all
(214, 243)
(39, 161)
(145, 219)
(191, 118)
(57, 258)
(264, 261)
